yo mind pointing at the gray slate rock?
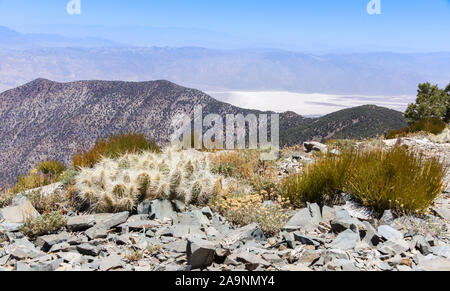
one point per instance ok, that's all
(200, 253)
(80, 223)
(302, 220)
(19, 210)
(144, 207)
(88, 250)
(372, 238)
(251, 261)
(328, 214)
(248, 232)
(393, 248)
(389, 233)
(305, 239)
(387, 218)
(23, 249)
(47, 241)
(161, 210)
(442, 251)
(110, 263)
(96, 232)
(346, 240)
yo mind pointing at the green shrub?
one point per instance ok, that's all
(45, 173)
(395, 179)
(31, 181)
(48, 223)
(433, 126)
(68, 177)
(320, 181)
(51, 168)
(114, 147)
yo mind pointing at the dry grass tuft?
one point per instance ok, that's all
(247, 209)
(48, 223)
(114, 147)
(46, 203)
(396, 179)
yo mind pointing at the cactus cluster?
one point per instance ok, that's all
(114, 185)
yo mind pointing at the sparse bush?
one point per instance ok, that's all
(67, 177)
(341, 144)
(31, 181)
(51, 168)
(47, 203)
(320, 182)
(395, 179)
(247, 209)
(48, 223)
(6, 198)
(115, 185)
(114, 147)
(44, 174)
(134, 256)
(247, 166)
(433, 126)
(153, 248)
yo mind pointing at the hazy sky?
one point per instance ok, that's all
(404, 25)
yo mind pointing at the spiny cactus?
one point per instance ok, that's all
(120, 184)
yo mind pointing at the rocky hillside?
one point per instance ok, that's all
(48, 120)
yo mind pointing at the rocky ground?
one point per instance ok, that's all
(166, 236)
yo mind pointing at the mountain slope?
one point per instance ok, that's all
(48, 120)
(358, 122)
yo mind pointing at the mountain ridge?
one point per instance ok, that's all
(44, 120)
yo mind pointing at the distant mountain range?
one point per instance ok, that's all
(49, 120)
(25, 57)
(11, 39)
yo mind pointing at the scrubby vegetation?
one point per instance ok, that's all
(247, 166)
(47, 223)
(246, 209)
(395, 179)
(433, 126)
(135, 256)
(115, 185)
(114, 147)
(320, 182)
(51, 168)
(45, 173)
(68, 176)
(6, 197)
(51, 202)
